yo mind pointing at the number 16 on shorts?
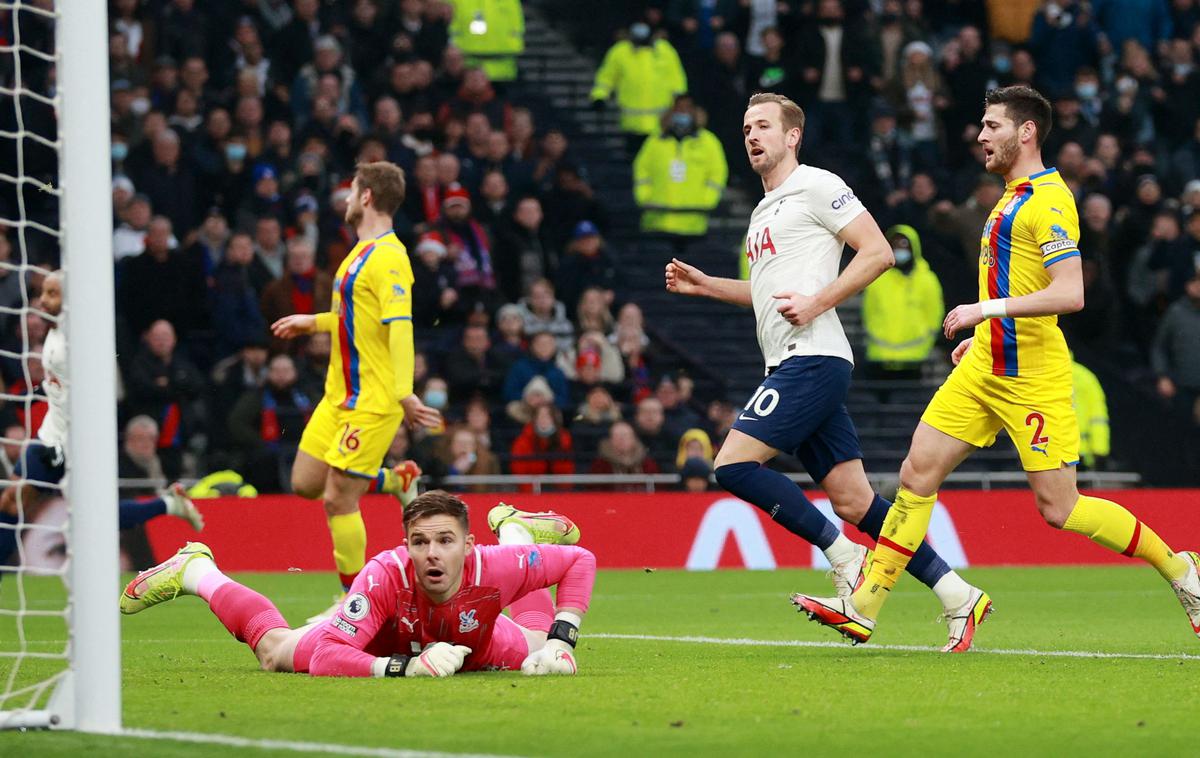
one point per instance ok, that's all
(349, 441)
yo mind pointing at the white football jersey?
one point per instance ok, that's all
(54, 362)
(792, 246)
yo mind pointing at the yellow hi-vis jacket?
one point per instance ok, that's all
(646, 79)
(491, 34)
(902, 313)
(678, 182)
(1091, 410)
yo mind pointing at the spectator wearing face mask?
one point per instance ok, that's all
(646, 74)
(543, 447)
(902, 310)
(679, 175)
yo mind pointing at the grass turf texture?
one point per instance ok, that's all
(183, 672)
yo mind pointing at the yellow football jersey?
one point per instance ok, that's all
(373, 288)
(1032, 227)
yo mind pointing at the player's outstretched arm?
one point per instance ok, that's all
(685, 279)
(1064, 294)
(299, 324)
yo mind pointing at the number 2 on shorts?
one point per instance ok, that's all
(1040, 421)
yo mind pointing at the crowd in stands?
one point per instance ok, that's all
(892, 91)
(236, 127)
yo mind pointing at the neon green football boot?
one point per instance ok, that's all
(546, 527)
(162, 582)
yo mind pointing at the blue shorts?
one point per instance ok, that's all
(800, 409)
(41, 464)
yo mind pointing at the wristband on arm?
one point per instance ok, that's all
(565, 628)
(397, 665)
(997, 308)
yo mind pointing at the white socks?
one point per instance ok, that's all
(514, 533)
(196, 569)
(952, 591)
(841, 550)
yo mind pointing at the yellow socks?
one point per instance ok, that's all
(349, 535)
(903, 531)
(1107, 523)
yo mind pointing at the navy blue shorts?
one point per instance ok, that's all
(42, 464)
(801, 409)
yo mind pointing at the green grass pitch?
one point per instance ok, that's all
(183, 673)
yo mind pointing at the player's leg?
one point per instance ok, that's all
(856, 503)
(353, 457)
(740, 469)
(932, 456)
(308, 475)
(1110, 525)
(786, 409)
(249, 616)
(346, 527)
(172, 501)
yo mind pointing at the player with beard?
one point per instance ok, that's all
(369, 385)
(794, 246)
(1015, 374)
(429, 607)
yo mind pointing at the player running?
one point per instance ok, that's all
(1015, 374)
(795, 246)
(42, 464)
(369, 386)
(428, 608)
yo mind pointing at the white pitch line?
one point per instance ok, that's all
(746, 642)
(229, 740)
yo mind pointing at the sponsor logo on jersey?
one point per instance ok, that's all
(534, 558)
(467, 622)
(1056, 210)
(759, 245)
(410, 624)
(371, 583)
(1062, 241)
(398, 290)
(1008, 208)
(345, 626)
(843, 199)
(987, 228)
(355, 265)
(356, 607)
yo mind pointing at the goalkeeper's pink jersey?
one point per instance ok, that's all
(386, 613)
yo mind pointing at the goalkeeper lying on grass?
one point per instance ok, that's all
(428, 608)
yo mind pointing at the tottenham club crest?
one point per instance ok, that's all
(467, 622)
(356, 607)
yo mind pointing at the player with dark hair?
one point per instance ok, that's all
(1013, 374)
(430, 607)
(794, 246)
(369, 386)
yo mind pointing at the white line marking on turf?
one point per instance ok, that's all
(229, 740)
(743, 641)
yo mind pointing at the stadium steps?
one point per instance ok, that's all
(716, 342)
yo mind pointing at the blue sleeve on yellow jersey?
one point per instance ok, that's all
(1053, 223)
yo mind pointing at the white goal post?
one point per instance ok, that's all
(87, 695)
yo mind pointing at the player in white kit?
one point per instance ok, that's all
(42, 465)
(794, 246)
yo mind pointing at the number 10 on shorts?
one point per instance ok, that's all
(763, 402)
(349, 439)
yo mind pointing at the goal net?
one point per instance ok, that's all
(59, 631)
